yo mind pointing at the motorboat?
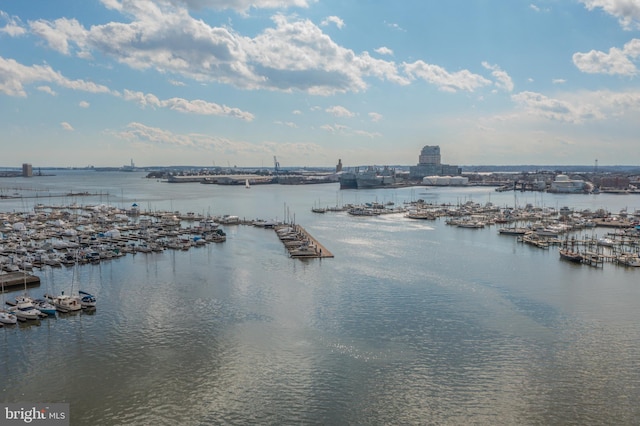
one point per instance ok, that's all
(87, 300)
(7, 318)
(629, 259)
(42, 305)
(25, 311)
(65, 303)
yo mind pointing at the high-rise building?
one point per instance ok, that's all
(27, 170)
(429, 164)
(430, 154)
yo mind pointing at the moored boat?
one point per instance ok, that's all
(42, 305)
(25, 311)
(629, 259)
(7, 318)
(87, 300)
(571, 256)
(513, 231)
(65, 303)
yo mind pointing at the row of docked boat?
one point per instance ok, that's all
(56, 236)
(631, 259)
(26, 308)
(297, 242)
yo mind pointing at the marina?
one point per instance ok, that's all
(406, 308)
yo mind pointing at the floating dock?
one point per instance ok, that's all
(300, 243)
(11, 280)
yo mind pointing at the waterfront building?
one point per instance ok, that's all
(27, 170)
(562, 183)
(615, 182)
(445, 180)
(429, 164)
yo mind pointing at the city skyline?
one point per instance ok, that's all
(237, 82)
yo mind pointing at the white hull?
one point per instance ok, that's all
(8, 318)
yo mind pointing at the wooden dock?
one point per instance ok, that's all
(300, 243)
(322, 250)
(11, 280)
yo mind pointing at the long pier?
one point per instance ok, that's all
(322, 250)
(12, 280)
(300, 243)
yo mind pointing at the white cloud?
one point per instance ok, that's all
(13, 77)
(61, 34)
(186, 106)
(333, 20)
(616, 62)
(542, 106)
(446, 81)
(339, 111)
(46, 89)
(558, 81)
(239, 5)
(394, 26)
(156, 136)
(336, 128)
(384, 51)
(375, 117)
(13, 26)
(66, 126)
(627, 11)
(286, 123)
(370, 135)
(503, 80)
(136, 132)
(537, 8)
(296, 112)
(293, 55)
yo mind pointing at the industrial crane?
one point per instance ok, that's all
(276, 165)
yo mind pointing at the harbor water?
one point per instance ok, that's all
(412, 321)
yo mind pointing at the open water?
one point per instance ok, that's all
(412, 322)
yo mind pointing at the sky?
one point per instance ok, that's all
(239, 82)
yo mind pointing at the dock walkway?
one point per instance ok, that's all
(11, 280)
(322, 250)
(306, 245)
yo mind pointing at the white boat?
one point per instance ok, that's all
(42, 305)
(513, 231)
(629, 259)
(607, 242)
(65, 303)
(5, 316)
(87, 300)
(25, 311)
(246, 184)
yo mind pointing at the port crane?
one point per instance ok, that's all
(276, 165)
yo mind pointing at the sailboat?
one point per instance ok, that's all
(87, 300)
(65, 303)
(41, 305)
(5, 316)
(246, 184)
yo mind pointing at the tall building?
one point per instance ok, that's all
(430, 154)
(429, 164)
(27, 170)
